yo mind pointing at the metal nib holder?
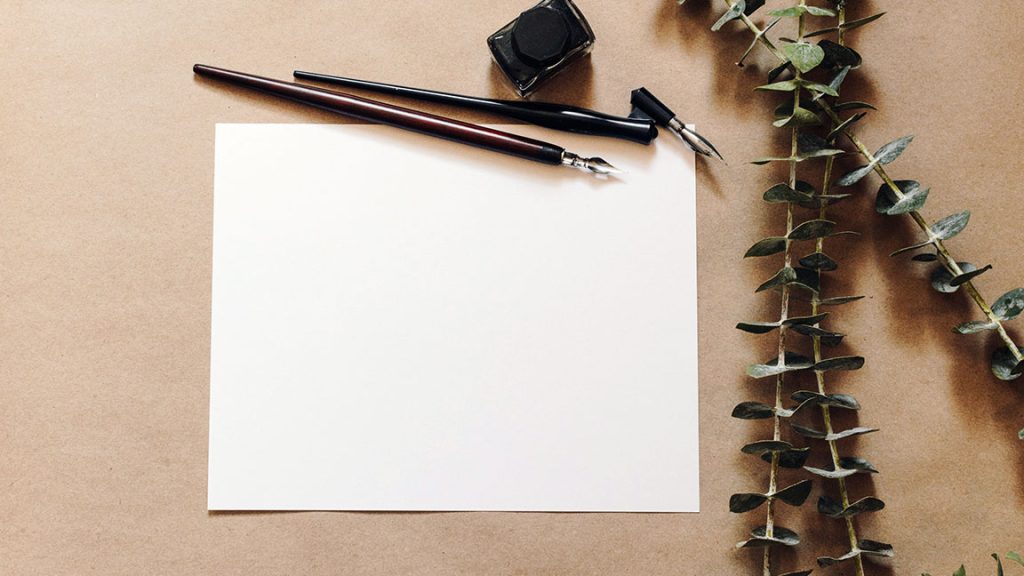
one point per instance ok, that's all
(646, 105)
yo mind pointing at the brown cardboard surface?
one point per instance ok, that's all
(105, 235)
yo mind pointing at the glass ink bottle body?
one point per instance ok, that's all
(540, 43)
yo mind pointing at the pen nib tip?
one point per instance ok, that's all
(601, 166)
(594, 165)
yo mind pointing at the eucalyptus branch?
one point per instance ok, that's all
(907, 197)
(801, 58)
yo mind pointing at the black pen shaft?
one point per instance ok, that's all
(405, 118)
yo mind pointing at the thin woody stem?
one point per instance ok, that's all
(947, 259)
(826, 413)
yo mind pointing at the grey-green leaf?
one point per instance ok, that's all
(856, 175)
(1005, 365)
(792, 362)
(966, 277)
(757, 327)
(785, 276)
(974, 327)
(840, 363)
(783, 194)
(739, 503)
(819, 261)
(1015, 556)
(805, 57)
(950, 226)
(1009, 305)
(812, 229)
(733, 13)
(941, 278)
(752, 411)
(838, 300)
(762, 446)
(914, 198)
(847, 26)
(796, 494)
(890, 152)
(766, 247)
(835, 509)
(845, 124)
(790, 459)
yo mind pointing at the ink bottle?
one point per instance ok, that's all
(540, 43)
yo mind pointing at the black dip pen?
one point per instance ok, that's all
(422, 122)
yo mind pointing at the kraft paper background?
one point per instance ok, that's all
(106, 180)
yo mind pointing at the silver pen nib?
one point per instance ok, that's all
(695, 141)
(593, 165)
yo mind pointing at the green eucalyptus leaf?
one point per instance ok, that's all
(853, 105)
(952, 225)
(734, 12)
(800, 117)
(798, 573)
(753, 6)
(839, 300)
(846, 26)
(790, 459)
(762, 446)
(890, 152)
(805, 320)
(819, 261)
(910, 248)
(1015, 557)
(999, 565)
(812, 229)
(790, 12)
(960, 571)
(785, 276)
(974, 327)
(804, 56)
(776, 72)
(844, 401)
(926, 257)
(766, 247)
(942, 279)
(848, 466)
(825, 561)
(1009, 305)
(840, 363)
(838, 56)
(752, 411)
(817, 11)
(783, 194)
(779, 535)
(966, 277)
(835, 509)
(873, 548)
(845, 124)
(739, 503)
(784, 86)
(855, 175)
(807, 279)
(791, 362)
(809, 432)
(757, 327)
(796, 494)
(914, 198)
(857, 464)
(826, 337)
(1005, 365)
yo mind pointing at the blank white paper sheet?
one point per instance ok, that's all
(404, 323)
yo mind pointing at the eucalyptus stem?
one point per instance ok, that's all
(826, 411)
(943, 253)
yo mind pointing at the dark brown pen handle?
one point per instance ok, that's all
(381, 113)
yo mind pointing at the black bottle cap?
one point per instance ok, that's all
(540, 36)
